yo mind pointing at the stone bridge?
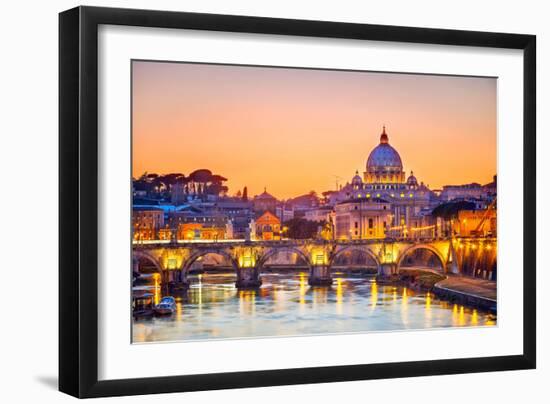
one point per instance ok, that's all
(174, 259)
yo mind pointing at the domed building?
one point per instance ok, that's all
(356, 181)
(412, 181)
(358, 211)
(384, 164)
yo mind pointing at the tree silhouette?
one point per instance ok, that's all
(300, 228)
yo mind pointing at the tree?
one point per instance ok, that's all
(245, 194)
(449, 210)
(300, 228)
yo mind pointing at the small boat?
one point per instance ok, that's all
(167, 305)
(143, 305)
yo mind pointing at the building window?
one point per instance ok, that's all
(356, 225)
(371, 223)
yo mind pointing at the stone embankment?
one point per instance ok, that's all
(473, 292)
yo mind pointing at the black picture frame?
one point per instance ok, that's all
(78, 200)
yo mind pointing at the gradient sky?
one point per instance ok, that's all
(295, 130)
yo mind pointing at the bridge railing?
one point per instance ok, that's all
(284, 242)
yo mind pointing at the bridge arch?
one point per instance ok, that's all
(366, 250)
(201, 253)
(274, 250)
(428, 247)
(149, 257)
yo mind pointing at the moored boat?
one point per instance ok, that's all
(143, 305)
(166, 306)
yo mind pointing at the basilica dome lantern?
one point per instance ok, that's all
(384, 163)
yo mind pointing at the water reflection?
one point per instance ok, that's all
(339, 296)
(461, 317)
(303, 287)
(156, 292)
(405, 308)
(247, 302)
(428, 311)
(286, 305)
(373, 296)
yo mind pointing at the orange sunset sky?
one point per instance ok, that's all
(296, 130)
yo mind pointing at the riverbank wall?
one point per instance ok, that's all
(466, 291)
(465, 298)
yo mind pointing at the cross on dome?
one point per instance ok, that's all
(384, 139)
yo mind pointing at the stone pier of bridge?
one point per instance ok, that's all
(320, 275)
(387, 270)
(248, 278)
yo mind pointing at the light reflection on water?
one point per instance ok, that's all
(286, 305)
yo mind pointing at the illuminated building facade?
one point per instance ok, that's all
(200, 231)
(147, 222)
(476, 223)
(362, 218)
(383, 184)
(468, 191)
(268, 227)
(195, 224)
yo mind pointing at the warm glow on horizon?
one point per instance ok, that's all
(297, 130)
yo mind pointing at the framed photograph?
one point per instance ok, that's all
(250, 201)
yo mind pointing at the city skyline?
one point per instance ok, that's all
(298, 130)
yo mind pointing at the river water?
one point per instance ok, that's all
(286, 305)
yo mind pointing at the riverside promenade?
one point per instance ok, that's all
(468, 291)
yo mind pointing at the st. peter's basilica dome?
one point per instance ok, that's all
(384, 158)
